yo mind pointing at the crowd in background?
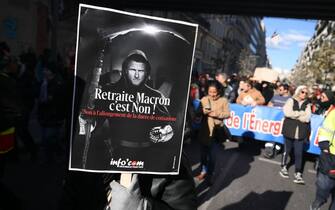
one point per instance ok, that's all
(36, 86)
(39, 86)
(297, 103)
(33, 88)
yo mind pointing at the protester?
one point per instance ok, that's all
(267, 91)
(281, 97)
(325, 185)
(296, 130)
(249, 95)
(43, 60)
(28, 88)
(51, 111)
(215, 110)
(271, 148)
(233, 81)
(10, 111)
(326, 100)
(226, 89)
(203, 85)
(315, 97)
(240, 87)
(194, 89)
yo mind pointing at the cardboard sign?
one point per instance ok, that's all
(265, 74)
(131, 88)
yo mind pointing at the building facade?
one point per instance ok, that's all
(221, 39)
(244, 44)
(316, 64)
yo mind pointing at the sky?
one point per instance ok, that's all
(284, 50)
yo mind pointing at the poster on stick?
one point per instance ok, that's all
(130, 96)
(265, 74)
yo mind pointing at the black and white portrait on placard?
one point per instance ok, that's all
(130, 91)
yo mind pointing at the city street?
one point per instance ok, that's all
(243, 180)
(246, 180)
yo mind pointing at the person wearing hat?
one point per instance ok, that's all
(123, 137)
(326, 101)
(325, 182)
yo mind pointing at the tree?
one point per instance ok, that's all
(319, 68)
(323, 64)
(246, 62)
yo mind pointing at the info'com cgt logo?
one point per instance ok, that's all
(121, 163)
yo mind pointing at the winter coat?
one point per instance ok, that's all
(251, 95)
(296, 124)
(221, 109)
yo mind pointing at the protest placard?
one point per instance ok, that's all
(131, 88)
(265, 74)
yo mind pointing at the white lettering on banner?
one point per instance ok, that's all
(233, 121)
(252, 123)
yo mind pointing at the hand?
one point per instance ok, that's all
(123, 198)
(206, 111)
(325, 150)
(211, 114)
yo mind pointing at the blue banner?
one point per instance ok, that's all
(265, 124)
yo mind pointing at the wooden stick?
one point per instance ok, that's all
(125, 179)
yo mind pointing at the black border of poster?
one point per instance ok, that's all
(118, 125)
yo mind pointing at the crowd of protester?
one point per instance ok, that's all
(40, 86)
(33, 87)
(248, 92)
(297, 103)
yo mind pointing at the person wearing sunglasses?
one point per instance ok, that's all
(296, 130)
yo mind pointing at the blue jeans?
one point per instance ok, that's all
(208, 157)
(325, 186)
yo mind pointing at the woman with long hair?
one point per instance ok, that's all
(215, 109)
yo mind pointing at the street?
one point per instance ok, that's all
(244, 179)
